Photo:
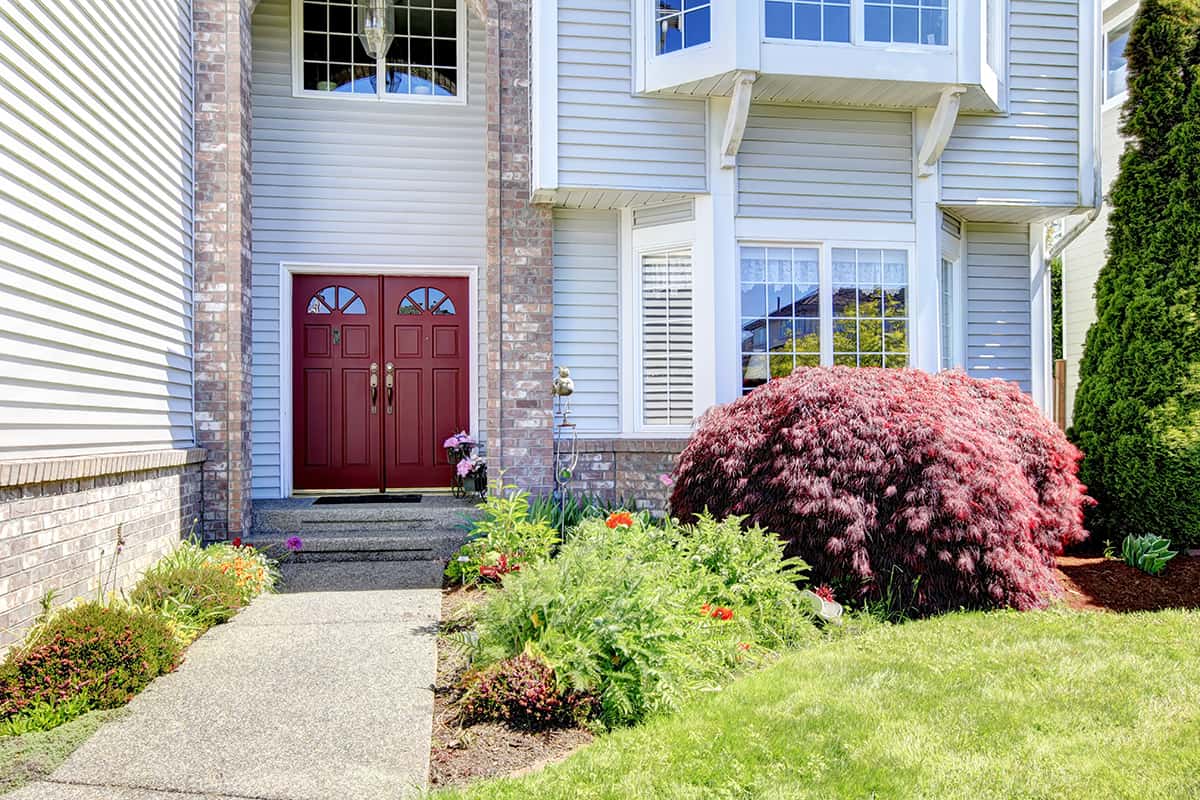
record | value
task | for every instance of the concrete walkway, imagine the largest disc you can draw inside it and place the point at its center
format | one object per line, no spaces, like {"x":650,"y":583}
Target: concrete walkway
{"x":309,"y":695}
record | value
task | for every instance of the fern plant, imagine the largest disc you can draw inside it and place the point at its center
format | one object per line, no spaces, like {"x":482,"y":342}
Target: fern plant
{"x":1149,"y":553}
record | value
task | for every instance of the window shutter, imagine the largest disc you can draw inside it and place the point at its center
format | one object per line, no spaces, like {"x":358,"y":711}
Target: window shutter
{"x":667,"y":338}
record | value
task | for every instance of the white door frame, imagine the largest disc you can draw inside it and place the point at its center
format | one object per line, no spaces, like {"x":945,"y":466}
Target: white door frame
{"x":288,"y":270}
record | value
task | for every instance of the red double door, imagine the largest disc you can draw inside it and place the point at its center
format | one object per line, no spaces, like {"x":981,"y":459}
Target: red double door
{"x":380,"y":380}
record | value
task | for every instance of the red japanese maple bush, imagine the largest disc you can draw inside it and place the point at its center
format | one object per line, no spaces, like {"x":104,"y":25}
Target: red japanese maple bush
{"x":950,"y":491}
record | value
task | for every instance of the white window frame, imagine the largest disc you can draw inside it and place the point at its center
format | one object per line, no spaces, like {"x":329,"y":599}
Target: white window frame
{"x":858,"y":32}
{"x":1119,"y":21}
{"x":639,"y":243}
{"x":654,"y":31}
{"x":951,"y":251}
{"x":459,"y":99}
{"x":825,"y":273}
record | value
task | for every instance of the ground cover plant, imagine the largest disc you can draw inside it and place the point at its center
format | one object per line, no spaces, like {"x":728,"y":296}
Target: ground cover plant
{"x":631,"y":617}
{"x":925,"y":492}
{"x":1137,"y":409}
{"x":967,"y":706}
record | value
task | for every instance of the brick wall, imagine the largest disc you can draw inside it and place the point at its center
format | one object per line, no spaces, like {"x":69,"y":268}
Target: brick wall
{"x":627,"y":469}
{"x":520,"y":281}
{"x":222,"y":261}
{"x":61,"y":519}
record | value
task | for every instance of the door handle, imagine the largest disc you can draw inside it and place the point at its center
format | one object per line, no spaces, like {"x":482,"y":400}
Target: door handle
{"x":374,"y":388}
{"x":391,"y":382}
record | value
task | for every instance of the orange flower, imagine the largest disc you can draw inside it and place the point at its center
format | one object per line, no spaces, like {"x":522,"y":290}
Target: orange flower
{"x":619,"y":519}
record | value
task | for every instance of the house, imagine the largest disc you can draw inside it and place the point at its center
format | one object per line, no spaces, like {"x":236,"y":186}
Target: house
{"x":1084,"y":253}
{"x":259,"y":248}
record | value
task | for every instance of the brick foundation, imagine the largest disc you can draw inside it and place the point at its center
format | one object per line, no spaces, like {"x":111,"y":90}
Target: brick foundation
{"x":520,"y":280}
{"x":61,"y":519}
{"x":627,"y":469}
{"x":222,"y":261}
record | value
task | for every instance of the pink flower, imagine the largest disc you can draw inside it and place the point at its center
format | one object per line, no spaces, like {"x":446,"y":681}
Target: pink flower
{"x":825,"y":592}
{"x":294,"y":543}
{"x":666,"y":480}
{"x":464,"y":467}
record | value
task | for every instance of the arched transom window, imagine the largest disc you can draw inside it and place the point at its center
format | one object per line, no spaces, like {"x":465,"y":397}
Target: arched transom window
{"x":427,"y":298}
{"x":336,"y":298}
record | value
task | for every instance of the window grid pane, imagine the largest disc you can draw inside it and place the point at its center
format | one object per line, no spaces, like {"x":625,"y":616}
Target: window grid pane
{"x":870,"y":307}
{"x":907,"y":21}
{"x":1116,"y":78}
{"x":781,"y":312}
{"x":667,"y":338}
{"x":682,"y":24}
{"x":808,"y":20}
{"x":422,"y":59}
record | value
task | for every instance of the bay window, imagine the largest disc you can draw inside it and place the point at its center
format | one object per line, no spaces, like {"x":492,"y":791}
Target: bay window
{"x":808,"y":20}
{"x":806,"y":306}
{"x":921,"y":22}
{"x":425,"y":59}
{"x":682,"y":23}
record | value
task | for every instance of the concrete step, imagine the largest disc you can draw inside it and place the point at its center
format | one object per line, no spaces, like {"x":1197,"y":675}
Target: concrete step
{"x":430,"y":530}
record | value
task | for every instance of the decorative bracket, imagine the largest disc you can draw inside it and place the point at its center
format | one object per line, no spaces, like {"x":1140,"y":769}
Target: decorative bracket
{"x":478,"y":8}
{"x":739,"y":112}
{"x":940,"y":129}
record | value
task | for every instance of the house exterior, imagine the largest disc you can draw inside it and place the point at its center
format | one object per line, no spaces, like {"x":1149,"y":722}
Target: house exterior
{"x":1085,"y":254}
{"x":289,"y":265}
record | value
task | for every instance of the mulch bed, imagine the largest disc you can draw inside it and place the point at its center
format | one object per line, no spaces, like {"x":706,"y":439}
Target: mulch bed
{"x":465,"y":754}
{"x":1103,"y":584}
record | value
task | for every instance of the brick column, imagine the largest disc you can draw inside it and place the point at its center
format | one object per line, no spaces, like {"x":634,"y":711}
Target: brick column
{"x":221,"y":292}
{"x":520,"y":285}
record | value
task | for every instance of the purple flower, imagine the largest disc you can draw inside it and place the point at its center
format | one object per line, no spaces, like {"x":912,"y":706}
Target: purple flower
{"x":666,"y":480}
{"x":452,"y":442}
{"x":465,"y":467}
{"x":294,"y":543}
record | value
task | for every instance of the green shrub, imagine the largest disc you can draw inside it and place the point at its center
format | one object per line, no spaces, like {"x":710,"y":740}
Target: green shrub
{"x":504,"y":540}
{"x":193,"y":596}
{"x":1148,"y":553}
{"x":639,"y":616}
{"x":106,"y":653}
{"x":1137,"y":409}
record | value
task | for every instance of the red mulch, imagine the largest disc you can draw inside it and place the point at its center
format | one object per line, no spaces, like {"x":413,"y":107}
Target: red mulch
{"x":463,"y":754}
{"x":1104,"y":584}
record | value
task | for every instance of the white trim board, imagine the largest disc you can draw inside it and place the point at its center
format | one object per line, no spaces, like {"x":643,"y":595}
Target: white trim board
{"x":289,"y":269}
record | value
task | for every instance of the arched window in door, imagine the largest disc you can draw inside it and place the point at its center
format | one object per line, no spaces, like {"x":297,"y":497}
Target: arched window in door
{"x":336,"y":298}
{"x":427,"y":298}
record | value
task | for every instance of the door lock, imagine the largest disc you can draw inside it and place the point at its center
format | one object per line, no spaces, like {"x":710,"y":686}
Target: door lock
{"x":337,"y":335}
{"x":391,"y":382}
{"x":375,"y":388}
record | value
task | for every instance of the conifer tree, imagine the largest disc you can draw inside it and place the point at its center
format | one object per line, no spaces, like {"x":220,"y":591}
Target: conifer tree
{"x":1137,"y":410}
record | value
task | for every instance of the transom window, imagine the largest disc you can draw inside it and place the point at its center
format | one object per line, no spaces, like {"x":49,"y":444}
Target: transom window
{"x":336,"y":298}
{"x":907,"y":21}
{"x":1115,"y":80}
{"x":788,"y":320}
{"x":682,"y":23}
{"x":809,"y":20}
{"x":423,"y":61}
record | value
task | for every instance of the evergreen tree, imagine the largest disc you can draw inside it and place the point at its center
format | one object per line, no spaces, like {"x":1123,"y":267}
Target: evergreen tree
{"x":1137,"y":411}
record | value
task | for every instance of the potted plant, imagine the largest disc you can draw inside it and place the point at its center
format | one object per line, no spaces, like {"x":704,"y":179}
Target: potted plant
{"x":470,"y":469}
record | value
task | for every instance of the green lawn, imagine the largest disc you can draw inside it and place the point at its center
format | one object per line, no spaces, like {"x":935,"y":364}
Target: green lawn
{"x":1002,"y":705}
{"x":31,"y":756}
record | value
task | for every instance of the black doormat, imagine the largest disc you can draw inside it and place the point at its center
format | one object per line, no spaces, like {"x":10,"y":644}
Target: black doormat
{"x":355,"y":499}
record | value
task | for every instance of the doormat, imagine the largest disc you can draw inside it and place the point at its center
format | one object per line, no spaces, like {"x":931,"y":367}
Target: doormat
{"x":355,"y":499}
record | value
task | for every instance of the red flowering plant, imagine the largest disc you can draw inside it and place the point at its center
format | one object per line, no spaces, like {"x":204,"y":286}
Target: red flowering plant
{"x":619,"y":519}
{"x":945,"y":490}
{"x":503,"y":565}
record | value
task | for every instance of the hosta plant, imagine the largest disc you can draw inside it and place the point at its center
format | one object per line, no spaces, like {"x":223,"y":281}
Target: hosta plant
{"x":1149,"y":553}
{"x":943,"y":490}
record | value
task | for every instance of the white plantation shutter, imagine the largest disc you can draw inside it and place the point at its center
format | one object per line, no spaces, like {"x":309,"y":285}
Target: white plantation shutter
{"x":667,"y":338}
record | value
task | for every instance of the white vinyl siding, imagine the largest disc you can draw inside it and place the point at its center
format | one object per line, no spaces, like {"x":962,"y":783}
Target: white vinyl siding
{"x":666,"y":338}
{"x":587,"y":315}
{"x":1030,"y":155}
{"x":95,"y":227}
{"x":345,"y":182}
{"x":814,"y":163}
{"x":607,"y":138}
{"x":670,"y":213}
{"x":998,"y":303}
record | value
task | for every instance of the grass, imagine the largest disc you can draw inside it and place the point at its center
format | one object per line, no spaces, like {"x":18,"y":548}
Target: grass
{"x":1003,"y":705}
{"x":30,"y":756}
